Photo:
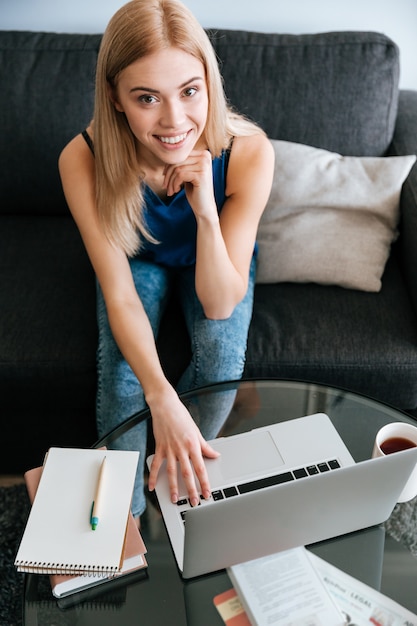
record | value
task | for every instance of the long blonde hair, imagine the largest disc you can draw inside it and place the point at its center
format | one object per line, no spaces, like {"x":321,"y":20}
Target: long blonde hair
{"x":137,"y":29}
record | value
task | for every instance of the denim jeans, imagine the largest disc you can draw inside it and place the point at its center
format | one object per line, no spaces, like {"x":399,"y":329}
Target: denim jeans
{"x":218,"y":354}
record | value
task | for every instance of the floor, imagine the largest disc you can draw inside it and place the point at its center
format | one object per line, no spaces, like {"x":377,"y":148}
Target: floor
{"x":8,"y":481}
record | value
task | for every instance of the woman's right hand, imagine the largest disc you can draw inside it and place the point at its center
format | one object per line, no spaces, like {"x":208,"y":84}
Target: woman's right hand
{"x":179,"y":441}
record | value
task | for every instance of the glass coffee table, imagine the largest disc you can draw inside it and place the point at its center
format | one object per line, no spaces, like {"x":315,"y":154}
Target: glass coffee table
{"x":382,"y":557}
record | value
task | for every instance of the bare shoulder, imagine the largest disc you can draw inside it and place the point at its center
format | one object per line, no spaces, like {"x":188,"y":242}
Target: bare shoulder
{"x":77,"y":170}
{"x":250,"y":147}
{"x":252,"y":158}
{"x":75,"y":153}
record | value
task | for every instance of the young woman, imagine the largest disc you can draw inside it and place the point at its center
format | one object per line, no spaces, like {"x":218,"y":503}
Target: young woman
{"x":167,"y":187}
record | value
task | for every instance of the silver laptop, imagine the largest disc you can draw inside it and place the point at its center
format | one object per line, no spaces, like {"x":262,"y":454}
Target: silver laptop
{"x":277,"y":487}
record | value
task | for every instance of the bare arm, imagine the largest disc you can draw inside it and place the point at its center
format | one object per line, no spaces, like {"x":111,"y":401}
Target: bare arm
{"x":176,"y":435}
{"x":225,"y":245}
{"x":110,"y":264}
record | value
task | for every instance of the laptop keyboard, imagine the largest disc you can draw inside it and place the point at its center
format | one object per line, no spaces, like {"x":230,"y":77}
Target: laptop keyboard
{"x":261,"y":483}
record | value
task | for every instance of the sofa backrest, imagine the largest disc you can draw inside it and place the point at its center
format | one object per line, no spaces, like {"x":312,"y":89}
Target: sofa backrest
{"x":46,"y":98}
{"x":337,"y":91}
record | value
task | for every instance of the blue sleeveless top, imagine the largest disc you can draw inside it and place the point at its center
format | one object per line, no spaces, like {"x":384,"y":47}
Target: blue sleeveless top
{"x":173,"y":224}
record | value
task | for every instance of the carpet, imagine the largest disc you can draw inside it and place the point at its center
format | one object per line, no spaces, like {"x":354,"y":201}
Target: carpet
{"x":402,"y":524}
{"x":14,"y":511}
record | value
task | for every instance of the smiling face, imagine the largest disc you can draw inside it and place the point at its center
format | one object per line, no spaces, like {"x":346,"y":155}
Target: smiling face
{"x":165,"y":100}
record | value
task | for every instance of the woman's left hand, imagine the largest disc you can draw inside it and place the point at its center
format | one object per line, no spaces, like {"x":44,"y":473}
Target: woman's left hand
{"x":196,"y":175}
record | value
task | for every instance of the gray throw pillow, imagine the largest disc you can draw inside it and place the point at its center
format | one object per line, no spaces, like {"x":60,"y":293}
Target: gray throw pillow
{"x":330,"y":219}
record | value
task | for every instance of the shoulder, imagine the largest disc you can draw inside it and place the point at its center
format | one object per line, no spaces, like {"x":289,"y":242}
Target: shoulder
{"x":249,"y":146}
{"x":251,"y":156}
{"x":75,"y":154}
{"x":251,"y":152}
{"x":77,"y":171}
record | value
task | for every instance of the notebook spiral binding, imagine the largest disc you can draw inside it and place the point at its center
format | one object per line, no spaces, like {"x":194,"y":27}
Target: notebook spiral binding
{"x":59,"y":568}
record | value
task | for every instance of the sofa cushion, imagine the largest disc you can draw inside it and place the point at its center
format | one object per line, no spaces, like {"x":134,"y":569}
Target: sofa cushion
{"x":364,"y":342}
{"x":330,"y":219}
{"x":48,"y":340}
{"x":337,"y":91}
{"x":47,"y":316}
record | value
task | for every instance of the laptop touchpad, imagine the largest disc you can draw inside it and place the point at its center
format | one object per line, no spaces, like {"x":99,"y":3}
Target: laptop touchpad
{"x":242,"y":456}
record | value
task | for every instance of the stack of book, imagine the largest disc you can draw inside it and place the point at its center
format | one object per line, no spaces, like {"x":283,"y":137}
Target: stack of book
{"x":80,"y":529}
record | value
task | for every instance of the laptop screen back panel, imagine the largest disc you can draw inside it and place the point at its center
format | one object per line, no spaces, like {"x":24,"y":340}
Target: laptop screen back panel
{"x":293,"y":514}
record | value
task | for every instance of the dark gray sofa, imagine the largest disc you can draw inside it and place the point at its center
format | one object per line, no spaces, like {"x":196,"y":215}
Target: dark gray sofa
{"x":337,"y":91}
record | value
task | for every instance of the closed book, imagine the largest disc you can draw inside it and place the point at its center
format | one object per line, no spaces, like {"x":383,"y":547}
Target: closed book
{"x":230,"y":608}
{"x":59,"y":537}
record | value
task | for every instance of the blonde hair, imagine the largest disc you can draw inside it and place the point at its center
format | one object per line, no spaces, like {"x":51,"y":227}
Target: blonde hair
{"x":138,"y":29}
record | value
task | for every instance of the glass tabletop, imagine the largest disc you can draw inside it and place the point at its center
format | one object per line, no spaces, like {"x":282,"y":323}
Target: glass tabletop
{"x":383,"y":557}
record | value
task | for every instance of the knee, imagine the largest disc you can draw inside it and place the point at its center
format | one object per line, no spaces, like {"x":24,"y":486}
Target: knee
{"x":221,"y":351}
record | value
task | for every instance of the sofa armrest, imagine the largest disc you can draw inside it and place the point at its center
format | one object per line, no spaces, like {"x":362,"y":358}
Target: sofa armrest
{"x":405,"y":142}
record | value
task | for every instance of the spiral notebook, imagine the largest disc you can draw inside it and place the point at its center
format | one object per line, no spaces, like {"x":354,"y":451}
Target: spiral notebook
{"x":134,"y":559}
{"x":58,"y":538}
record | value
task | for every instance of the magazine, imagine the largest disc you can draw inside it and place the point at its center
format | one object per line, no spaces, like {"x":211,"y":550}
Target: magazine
{"x":281,"y":590}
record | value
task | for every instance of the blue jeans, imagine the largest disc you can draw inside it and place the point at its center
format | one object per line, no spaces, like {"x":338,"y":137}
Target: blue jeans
{"x":218,"y":354}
